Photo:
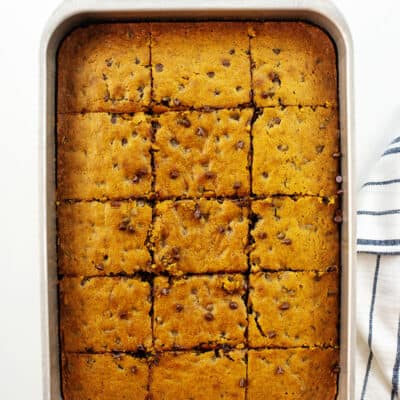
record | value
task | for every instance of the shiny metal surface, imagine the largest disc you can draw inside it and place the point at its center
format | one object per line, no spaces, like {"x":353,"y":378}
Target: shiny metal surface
{"x":72,"y":13}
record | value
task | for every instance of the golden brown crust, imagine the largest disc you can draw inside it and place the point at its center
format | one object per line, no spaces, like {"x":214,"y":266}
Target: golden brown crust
{"x":294,"y":63}
{"x":201,"y":376}
{"x":105,"y":67}
{"x":295,"y":234}
{"x":292,"y":374}
{"x":292,"y":309}
{"x":105,"y":314}
{"x":200,"y":236}
{"x":205,"y":64}
{"x":104,"y":377}
{"x":187,"y":119}
{"x":103,"y":238}
{"x":101,"y":155}
{"x":200,"y":311}
{"x":294,"y":151}
{"x":203,"y":154}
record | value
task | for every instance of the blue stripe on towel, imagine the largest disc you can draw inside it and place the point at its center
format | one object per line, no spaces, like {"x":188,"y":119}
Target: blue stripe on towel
{"x":371,"y":316}
{"x":395,"y":377}
{"x":370,"y":242}
{"x":386,"y":212}
{"x":394,"y":150}
{"x":381,"y":183}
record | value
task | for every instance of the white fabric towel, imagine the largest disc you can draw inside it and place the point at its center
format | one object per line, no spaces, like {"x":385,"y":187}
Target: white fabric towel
{"x":378,"y":280}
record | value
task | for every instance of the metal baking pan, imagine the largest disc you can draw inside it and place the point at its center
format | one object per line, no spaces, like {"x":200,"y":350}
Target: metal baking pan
{"x":73,"y":13}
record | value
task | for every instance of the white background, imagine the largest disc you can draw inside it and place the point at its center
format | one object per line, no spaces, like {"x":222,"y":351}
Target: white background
{"x":375,"y":26}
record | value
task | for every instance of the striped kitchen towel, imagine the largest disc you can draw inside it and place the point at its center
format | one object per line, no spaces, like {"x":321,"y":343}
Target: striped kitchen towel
{"x":378,"y":280}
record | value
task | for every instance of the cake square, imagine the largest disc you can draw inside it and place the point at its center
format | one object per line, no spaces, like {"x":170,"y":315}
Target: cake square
{"x":293,"y":309}
{"x":103,"y":238}
{"x":104,"y":377}
{"x":293,"y":374}
{"x":202,"y":236}
{"x":105,"y":67}
{"x":203,"y":153}
{"x":293,"y":63}
{"x":104,"y":314}
{"x":202,"y":64}
{"x":200,"y":376}
{"x":294,"y":233}
{"x":100,"y":155}
{"x":199,"y":311}
{"x":295,"y":151}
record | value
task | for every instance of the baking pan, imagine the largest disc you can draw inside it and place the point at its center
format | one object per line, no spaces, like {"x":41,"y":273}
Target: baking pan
{"x":73,"y":13}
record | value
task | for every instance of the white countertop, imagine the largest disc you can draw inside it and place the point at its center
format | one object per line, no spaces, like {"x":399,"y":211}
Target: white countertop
{"x":376,"y":30}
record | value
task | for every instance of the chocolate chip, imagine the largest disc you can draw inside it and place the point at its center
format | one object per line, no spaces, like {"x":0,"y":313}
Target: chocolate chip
{"x":177,"y":102}
{"x":115,"y":203}
{"x":159,"y":67}
{"x":124,"y":141}
{"x":211,"y":74}
{"x":113,"y":119}
{"x":184,"y":122}
{"x":332,"y":268}
{"x":233,"y":305}
{"x":265,"y":174}
{"x":240,"y":144}
{"x":238,"y":88}
{"x":179,"y":307}
{"x":274,"y":77}
{"x":282,"y":147}
{"x":339,"y":179}
{"x":336,"y":155}
{"x":123,"y":316}
{"x":140,"y":173}
{"x":317,"y":278}
{"x":100,"y":267}
{"x":217,"y":92}
{"x":197,"y":213}
{"x":271,"y":334}
{"x":284,"y":306}
{"x":166,"y":100}
{"x":210,"y":307}
{"x":232,"y":51}
{"x":336,"y":368}
{"x":155,"y":125}
{"x":131,"y":229}
{"x":286,"y":241}
{"x":200,"y":132}
{"x":279,"y":370}
{"x":242,"y":382}
{"x":133,"y":370}
{"x":280,"y":235}
{"x":174,"y":174}
{"x":137,"y":61}
{"x":274,"y":121}
{"x":226,"y":63}
{"x":235,"y":116}
{"x":267,"y":95}
{"x":109,"y":62}
{"x":319,"y":148}
{"x":164,"y":291}
{"x":237,"y":185}
{"x":338,"y":219}
{"x":221,"y":229}
{"x":209,"y":175}
{"x":262,"y":235}
{"x":174,"y":142}
{"x":276,"y":51}
{"x":208,"y":316}
{"x":175,"y":253}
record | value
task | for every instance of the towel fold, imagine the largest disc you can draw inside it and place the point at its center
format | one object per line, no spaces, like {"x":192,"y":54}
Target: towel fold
{"x":378,"y":280}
